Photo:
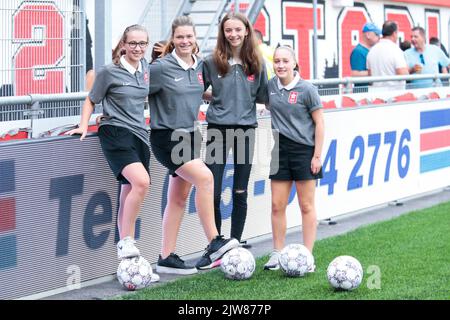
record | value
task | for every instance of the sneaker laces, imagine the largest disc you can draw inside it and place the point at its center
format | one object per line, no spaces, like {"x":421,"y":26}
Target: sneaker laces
{"x":208,"y":247}
{"x":128,"y":240}
{"x":218,"y":238}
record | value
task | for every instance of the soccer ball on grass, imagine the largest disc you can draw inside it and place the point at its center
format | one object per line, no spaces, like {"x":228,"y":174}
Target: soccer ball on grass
{"x":238,"y":264}
{"x":345,"y":273}
{"x":296,"y":260}
{"x":134,"y":273}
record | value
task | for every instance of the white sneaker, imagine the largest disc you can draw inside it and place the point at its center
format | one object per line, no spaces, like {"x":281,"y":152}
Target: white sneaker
{"x":154,"y":278}
{"x":273,"y":263}
{"x":127,"y":249}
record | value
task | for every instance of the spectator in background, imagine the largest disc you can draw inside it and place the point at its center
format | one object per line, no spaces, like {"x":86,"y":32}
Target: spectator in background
{"x":387,"y":59}
{"x":266,"y":52}
{"x":89,"y":59}
{"x":436,"y":42}
{"x":358,"y":58}
{"x":423,"y":58}
{"x":76,"y":59}
{"x":90,"y":73}
{"x":405,"y":45}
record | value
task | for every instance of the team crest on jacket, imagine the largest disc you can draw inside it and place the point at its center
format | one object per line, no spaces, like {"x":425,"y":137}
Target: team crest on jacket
{"x":293,"y":96}
{"x":200,"y":78}
{"x":251,"y":78}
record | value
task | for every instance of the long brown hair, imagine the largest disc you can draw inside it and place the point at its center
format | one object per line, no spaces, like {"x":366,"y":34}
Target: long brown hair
{"x":120,"y":50}
{"x":250,"y":55}
{"x":181,"y":21}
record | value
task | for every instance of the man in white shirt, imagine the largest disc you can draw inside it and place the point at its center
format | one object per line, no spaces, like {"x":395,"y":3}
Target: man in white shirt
{"x":387,"y":59}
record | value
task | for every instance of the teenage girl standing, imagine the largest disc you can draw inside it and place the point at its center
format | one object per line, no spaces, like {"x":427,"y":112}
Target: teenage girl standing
{"x":238,"y":79}
{"x":297,"y":116}
{"x":176,"y":90}
{"x":122,"y":87}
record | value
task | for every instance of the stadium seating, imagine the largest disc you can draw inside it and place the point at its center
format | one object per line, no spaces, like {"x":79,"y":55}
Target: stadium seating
{"x":433,"y":96}
{"x":364,"y":102}
{"x":378,"y":101}
{"x":329,"y":104}
{"x":16,"y":134}
{"x":404,"y":97}
{"x":348,"y":102}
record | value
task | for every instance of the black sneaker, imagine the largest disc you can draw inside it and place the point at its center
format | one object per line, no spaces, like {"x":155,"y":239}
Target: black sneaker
{"x":215,"y":250}
{"x":175,"y":265}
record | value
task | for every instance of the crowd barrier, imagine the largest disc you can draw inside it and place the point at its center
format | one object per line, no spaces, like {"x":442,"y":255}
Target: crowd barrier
{"x":38,"y":119}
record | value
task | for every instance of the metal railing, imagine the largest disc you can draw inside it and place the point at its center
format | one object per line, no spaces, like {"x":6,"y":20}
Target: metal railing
{"x":35,"y":106}
{"x":345,"y":85}
{"x":39,"y":106}
{"x":347,"y":82}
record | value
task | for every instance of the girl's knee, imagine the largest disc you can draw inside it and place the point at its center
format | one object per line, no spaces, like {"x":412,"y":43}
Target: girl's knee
{"x":178,"y":200}
{"x":208,"y":176}
{"x":278,"y":208}
{"x":205,"y":180}
{"x":307,"y":208}
{"x":240,"y":198}
{"x":142,"y":184}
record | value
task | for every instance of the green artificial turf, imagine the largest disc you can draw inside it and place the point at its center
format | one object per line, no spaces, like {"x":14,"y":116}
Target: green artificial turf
{"x":403,"y":258}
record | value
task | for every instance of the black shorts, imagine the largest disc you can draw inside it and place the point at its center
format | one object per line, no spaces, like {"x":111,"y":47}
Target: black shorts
{"x":121,"y":148}
{"x":292,"y":162}
{"x":173,"y":154}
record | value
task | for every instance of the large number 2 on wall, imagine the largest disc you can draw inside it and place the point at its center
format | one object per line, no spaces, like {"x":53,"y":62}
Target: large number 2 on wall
{"x":39,"y":28}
